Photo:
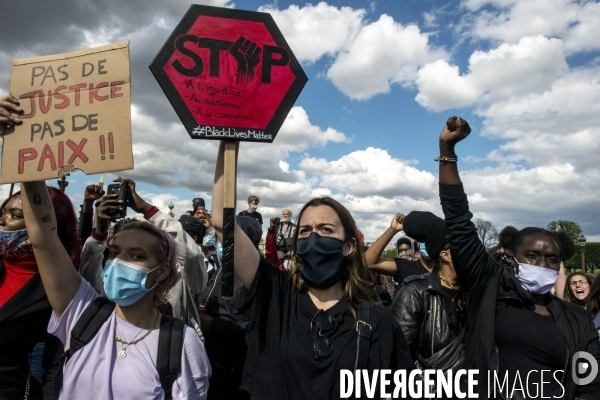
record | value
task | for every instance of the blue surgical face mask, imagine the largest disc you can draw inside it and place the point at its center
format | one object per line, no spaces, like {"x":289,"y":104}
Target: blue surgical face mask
{"x":219,"y":250}
{"x":125,"y":283}
{"x":14,"y":244}
{"x":537,"y":280}
{"x":208,"y":241}
{"x":423,"y":251}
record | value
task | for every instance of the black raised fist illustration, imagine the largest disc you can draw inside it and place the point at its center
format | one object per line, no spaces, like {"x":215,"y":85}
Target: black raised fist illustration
{"x":247,"y":55}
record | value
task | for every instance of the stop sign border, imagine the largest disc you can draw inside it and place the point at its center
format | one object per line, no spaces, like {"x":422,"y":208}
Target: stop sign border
{"x":186,"y":23}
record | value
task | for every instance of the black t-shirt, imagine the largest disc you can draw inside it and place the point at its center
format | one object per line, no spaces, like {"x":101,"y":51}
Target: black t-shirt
{"x":281,"y":361}
{"x":256,"y":215}
{"x":406,"y":268}
{"x":528,"y":341}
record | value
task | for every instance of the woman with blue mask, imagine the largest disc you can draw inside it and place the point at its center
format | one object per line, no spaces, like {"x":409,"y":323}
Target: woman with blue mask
{"x":322,"y":318}
{"x":517,"y":330}
{"x":122,"y":358}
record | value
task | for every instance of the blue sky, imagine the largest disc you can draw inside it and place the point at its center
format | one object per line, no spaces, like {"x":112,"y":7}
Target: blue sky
{"x":383,"y":78}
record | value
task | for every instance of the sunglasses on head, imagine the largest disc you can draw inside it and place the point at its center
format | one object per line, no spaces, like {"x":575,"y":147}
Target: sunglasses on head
{"x":320,"y":324}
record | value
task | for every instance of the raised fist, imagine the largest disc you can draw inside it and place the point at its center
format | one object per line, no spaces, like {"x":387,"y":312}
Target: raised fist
{"x":247,"y":55}
{"x":456,"y":129}
{"x":397,"y":222}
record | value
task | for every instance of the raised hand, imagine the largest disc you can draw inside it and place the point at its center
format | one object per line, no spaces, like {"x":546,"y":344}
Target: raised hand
{"x":204,"y":219}
{"x":92,"y":192}
{"x":136,"y":203}
{"x":247,"y":55}
{"x":456,"y":129}
{"x":108,"y":204}
{"x":397,"y":222}
{"x":9,"y":111}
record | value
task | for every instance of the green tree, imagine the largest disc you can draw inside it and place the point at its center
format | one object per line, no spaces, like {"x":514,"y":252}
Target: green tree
{"x":569,"y":227}
{"x":389,"y":253}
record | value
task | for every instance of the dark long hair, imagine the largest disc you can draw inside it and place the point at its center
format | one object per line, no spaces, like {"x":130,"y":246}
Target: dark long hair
{"x":569,"y":295}
{"x":66,"y":222}
{"x":592,"y":301}
{"x":357,"y":291}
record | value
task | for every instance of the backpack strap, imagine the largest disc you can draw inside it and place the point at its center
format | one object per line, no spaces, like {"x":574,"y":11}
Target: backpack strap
{"x":86,"y":327}
{"x":363,"y":339}
{"x":170,"y":347}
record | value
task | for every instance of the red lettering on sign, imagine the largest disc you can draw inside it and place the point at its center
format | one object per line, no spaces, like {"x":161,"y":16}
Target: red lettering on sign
{"x":77,"y":88}
{"x":47,"y":154}
{"x":115,"y":87}
{"x":27,"y":154}
{"x":98,"y":87}
{"x":77,"y":151}
{"x":31,"y":96}
{"x":61,"y":154}
{"x":45,"y":107}
{"x":30,"y":154}
{"x":65,"y":99}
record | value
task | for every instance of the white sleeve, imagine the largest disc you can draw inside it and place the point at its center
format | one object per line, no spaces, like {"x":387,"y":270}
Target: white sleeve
{"x":61,"y":327}
{"x":191,"y":259}
{"x":90,"y":268}
{"x":192,"y":382}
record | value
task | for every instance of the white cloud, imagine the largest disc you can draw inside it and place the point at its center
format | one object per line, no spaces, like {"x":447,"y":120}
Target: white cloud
{"x":371,"y":172}
{"x":285,"y":167}
{"x":315,"y":31}
{"x":297,"y":132}
{"x":510,"y":20}
{"x":583,"y":35}
{"x":383,"y":53}
{"x":441,"y":87}
{"x":530,"y":66}
{"x":162,"y":151}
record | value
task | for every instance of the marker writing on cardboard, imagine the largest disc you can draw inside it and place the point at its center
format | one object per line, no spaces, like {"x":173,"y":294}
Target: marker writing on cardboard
{"x":111,"y":146}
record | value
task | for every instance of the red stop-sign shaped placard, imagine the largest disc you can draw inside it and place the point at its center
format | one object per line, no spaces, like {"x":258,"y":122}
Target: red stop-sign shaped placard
{"x":229,"y":74}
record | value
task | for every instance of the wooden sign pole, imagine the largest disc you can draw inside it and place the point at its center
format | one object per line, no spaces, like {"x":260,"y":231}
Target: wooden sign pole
{"x":229,"y":196}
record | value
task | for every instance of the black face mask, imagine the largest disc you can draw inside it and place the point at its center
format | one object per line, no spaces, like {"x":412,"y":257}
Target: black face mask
{"x":322,"y":260}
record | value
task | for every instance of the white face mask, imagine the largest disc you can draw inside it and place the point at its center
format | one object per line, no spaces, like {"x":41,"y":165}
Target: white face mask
{"x":537,"y":280}
{"x":253,"y":207}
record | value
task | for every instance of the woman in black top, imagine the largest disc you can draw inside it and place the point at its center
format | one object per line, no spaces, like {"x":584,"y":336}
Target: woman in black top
{"x":516,"y":328}
{"x":304,"y":326}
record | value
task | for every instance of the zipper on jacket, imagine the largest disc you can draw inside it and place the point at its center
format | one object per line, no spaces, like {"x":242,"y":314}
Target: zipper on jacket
{"x":498,"y":370}
{"x":562,"y":379}
{"x":433,"y":322}
{"x":214,"y":283}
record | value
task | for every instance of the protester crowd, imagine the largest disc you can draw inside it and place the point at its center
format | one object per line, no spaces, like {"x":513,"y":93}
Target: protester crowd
{"x":132,"y":308}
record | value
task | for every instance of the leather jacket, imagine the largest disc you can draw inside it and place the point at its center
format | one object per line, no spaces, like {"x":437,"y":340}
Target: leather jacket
{"x":432,"y":321}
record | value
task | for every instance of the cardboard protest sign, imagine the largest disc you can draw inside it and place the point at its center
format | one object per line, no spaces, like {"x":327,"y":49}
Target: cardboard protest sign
{"x":229,"y":74}
{"x":77,"y":115}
